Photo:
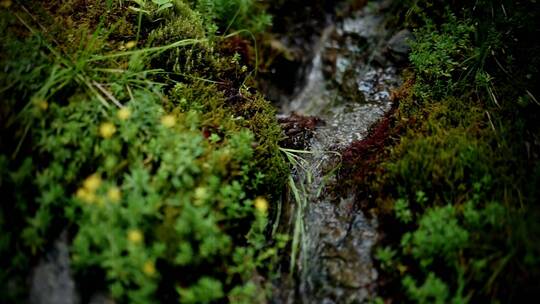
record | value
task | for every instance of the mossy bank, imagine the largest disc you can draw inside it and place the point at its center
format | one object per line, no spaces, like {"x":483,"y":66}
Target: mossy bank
{"x":130,"y":126}
{"x":453,"y":171}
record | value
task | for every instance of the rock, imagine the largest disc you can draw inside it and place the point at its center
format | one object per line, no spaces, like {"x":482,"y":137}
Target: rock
{"x":398,"y":47}
{"x":52,"y":281}
{"x":367,"y":27}
{"x":340,"y":264}
{"x":349,"y":87}
{"x":298,"y":129}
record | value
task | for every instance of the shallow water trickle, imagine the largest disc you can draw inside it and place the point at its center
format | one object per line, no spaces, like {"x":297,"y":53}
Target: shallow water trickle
{"x":348,"y":87}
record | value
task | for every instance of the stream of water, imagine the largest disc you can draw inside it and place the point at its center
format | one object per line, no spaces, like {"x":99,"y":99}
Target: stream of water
{"x":347,"y":87}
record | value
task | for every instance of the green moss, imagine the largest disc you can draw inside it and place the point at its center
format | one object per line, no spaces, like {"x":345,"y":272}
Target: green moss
{"x":456,"y":185}
{"x":251,"y":112}
{"x":259,"y":117}
{"x":443,"y":164}
{"x":183,"y":23}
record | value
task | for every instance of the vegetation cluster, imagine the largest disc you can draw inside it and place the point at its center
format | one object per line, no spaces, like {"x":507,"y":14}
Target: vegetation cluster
{"x":453,"y":171}
{"x":130,"y":126}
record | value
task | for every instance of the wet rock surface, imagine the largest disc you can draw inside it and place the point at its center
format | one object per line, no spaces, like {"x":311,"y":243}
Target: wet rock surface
{"x":348,"y":86}
{"x":399,"y":46}
{"x":339,"y":267}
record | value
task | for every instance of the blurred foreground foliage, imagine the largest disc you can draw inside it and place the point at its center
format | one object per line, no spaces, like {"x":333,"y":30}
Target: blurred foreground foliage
{"x":129,"y":125}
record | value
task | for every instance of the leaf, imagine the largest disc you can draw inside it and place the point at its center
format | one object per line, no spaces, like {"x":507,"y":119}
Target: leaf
{"x":138,"y":10}
{"x":140,"y":2}
{"x":163,"y":7}
{"x":162,"y":2}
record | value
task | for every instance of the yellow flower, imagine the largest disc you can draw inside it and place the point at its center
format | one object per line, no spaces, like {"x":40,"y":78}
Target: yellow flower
{"x":168,"y":120}
{"x":149,"y":268}
{"x":114,"y":194}
{"x":5,"y":3}
{"x":131,"y":44}
{"x":42,"y":104}
{"x":92,"y":182}
{"x":135,"y":236}
{"x":107,"y":129}
{"x":123,"y":113}
{"x":261,"y":204}
{"x":81,"y":192}
{"x":200,"y":195}
{"x":86,"y":196}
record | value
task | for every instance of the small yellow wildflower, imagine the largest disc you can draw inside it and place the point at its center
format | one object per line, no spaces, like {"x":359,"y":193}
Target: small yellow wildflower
{"x":200,"y":195}
{"x":43,"y":104}
{"x":123,"y":113}
{"x":81,"y":192}
{"x":168,"y":120}
{"x":149,"y":268}
{"x":86,"y":196}
{"x":114,"y":194}
{"x":5,"y":3}
{"x":135,"y":236}
{"x":92,"y":182}
{"x":107,"y":129}
{"x":261,"y":204}
{"x":131,"y":44}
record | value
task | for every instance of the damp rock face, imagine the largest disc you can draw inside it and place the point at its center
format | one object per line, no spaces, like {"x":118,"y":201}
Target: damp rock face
{"x":339,"y":267}
{"x":348,"y":86}
{"x":399,"y":46}
{"x":52,"y":281}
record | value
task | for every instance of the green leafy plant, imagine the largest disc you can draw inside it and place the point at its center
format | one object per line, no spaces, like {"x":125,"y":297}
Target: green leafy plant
{"x":433,"y":290}
{"x":439,"y":235}
{"x":403,"y":213}
{"x":440,"y":57}
{"x":145,"y":6}
{"x":385,"y":256}
{"x":235,"y":14}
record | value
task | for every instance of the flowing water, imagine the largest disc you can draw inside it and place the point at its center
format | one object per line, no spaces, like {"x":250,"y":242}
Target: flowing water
{"x":347,"y":87}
